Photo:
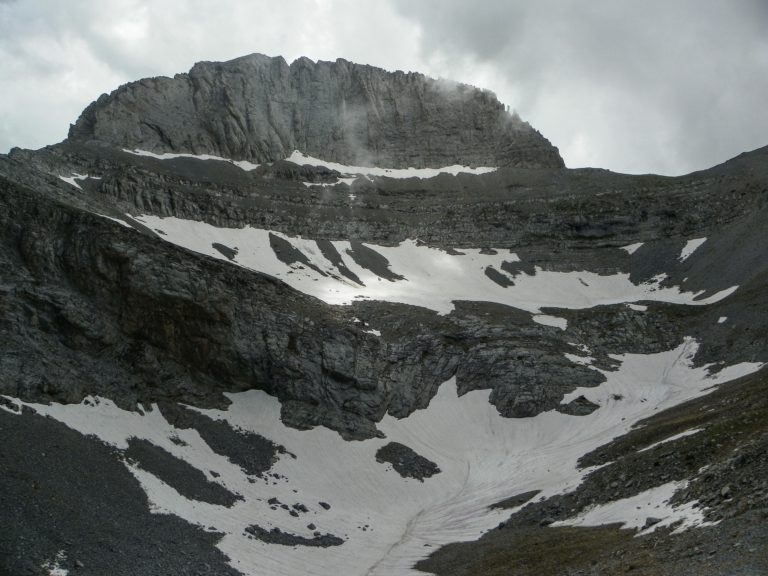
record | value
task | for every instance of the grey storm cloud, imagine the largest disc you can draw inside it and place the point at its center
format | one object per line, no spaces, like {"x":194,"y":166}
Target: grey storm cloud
{"x":669,"y":86}
{"x":655,"y":86}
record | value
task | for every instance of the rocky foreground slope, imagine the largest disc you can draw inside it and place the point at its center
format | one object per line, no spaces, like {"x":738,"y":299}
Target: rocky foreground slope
{"x":317,"y":318}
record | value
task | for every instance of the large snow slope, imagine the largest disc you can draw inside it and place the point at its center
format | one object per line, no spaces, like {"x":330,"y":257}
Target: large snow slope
{"x":389,"y":522}
{"x":416,"y":274}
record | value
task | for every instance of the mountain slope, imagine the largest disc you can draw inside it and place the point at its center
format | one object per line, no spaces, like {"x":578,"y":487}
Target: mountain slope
{"x":276,"y":353}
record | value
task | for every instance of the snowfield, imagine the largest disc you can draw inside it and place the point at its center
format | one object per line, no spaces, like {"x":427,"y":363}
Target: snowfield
{"x":428,"y":277}
{"x":388,"y":522}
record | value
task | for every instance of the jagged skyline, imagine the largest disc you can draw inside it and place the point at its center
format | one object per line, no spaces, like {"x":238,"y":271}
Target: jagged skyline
{"x":668,"y":88}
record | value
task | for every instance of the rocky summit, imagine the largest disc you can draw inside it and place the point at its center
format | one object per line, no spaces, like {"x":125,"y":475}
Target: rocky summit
{"x":261,"y":109}
{"x":320,"y":318}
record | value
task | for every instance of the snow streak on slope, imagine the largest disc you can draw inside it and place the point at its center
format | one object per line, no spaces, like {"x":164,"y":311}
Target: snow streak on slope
{"x":244,"y":164}
{"x":302,"y":159}
{"x":690,"y":247}
{"x":389,"y":522}
{"x":415,"y":274}
{"x":679,"y":436}
{"x":75,"y":177}
{"x":634,"y":512}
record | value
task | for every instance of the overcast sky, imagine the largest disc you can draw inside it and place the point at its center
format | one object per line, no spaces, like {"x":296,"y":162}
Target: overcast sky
{"x":665,"y":86}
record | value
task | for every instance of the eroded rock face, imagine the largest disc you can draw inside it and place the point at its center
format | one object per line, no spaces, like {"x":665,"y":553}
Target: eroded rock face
{"x":262,"y":109}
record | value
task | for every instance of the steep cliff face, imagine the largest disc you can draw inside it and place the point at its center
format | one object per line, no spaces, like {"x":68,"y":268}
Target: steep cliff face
{"x":262,"y":109}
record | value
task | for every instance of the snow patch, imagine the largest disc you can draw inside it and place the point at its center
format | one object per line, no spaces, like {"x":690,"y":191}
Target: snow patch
{"x":53,"y":567}
{"x":242,"y":164}
{"x":722,"y":319}
{"x":75,"y":177}
{"x":672,"y":439}
{"x":634,"y":385}
{"x":581,"y":360}
{"x":632,"y":248}
{"x":690,"y":247}
{"x":121,"y":222}
{"x":347,"y":181}
{"x":11,"y":405}
{"x":634,"y":512}
{"x":301,"y":159}
{"x":554,"y":321}
{"x":581,"y":348}
{"x":638,"y":307}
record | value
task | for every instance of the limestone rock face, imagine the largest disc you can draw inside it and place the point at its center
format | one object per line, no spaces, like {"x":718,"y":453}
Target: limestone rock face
{"x":261,"y":109}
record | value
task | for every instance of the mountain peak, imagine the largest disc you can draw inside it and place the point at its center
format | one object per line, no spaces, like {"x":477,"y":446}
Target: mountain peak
{"x":260,"y":108}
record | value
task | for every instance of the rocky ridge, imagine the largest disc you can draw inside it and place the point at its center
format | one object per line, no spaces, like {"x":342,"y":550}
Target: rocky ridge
{"x":261,"y":109}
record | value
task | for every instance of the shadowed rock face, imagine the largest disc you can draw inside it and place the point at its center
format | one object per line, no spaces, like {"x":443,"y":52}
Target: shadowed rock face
{"x":262,"y":109}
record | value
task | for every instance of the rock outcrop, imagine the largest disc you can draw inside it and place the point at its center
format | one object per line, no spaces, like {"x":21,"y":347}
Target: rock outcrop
{"x":261,"y":109}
